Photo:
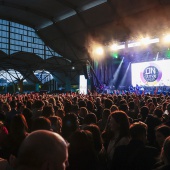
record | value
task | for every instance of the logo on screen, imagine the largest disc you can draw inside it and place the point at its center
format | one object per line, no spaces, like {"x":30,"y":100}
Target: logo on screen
{"x":150,"y":74}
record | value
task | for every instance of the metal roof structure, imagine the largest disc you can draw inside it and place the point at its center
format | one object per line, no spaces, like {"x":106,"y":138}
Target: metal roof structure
{"x":69,"y":26}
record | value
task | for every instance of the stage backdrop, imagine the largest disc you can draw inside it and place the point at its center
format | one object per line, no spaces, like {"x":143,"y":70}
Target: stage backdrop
{"x":105,"y":72}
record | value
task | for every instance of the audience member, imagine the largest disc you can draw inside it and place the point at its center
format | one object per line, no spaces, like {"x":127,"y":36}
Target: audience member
{"x":136,"y":155}
{"x":72,"y":110}
{"x":41,"y":123}
{"x":103,"y":121}
{"x":82,"y":154}
{"x":42,"y":150}
{"x":18,"y":132}
{"x":56,"y":124}
{"x":161,"y":133}
{"x":165,"y":155}
{"x":119,"y":124}
{"x":70,"y":125}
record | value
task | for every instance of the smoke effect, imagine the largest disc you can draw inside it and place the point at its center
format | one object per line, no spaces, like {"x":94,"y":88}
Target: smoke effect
{"x":91,"y":45}
{"x":150,"y":20}
{"x":131,"y":23}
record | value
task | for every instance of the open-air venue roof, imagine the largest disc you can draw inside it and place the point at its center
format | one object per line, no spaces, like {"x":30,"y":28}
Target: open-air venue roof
{"x":69,"y":26}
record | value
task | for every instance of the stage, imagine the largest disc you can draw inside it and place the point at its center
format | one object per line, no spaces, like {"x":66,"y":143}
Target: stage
{"x":136,"y":90}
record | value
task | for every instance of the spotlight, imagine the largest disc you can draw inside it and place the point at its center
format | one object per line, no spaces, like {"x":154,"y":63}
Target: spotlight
{"x":116,"y":47}
{"x":73,"y":68}
{"x":113,"y":47}
{"x":145,"y":41}
{"x":167,"y":39}
{"x":99,"y":51}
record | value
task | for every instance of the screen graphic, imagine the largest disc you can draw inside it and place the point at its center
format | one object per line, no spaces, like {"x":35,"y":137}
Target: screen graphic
{"x":154,"y":73}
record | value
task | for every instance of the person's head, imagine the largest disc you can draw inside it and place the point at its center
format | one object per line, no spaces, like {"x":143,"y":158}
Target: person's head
{"x":124,"y":107}
{"x":90,"y":106}
{"x":67,"y":106}
{"x":94,"y":129}
{"x":60,"y":113}
{"x":158,"y":113}
{"x":105,"y":114}
{"x":41,"y":123}
{"x":119,"y":123}
{"x":149,"y":100}
{"x":52,"y":101}
{"x":114,"y":108}
{"x":20,"y":107}
{"x":13,"y":104}
{"x":42,"y":150}
{"x":75,"y":100}
{"x":6,"y":107}
{"x":83,"y":112}
{"x":131,"y":105}
{"x":82,"y":155}
{"x":48,"y":111}
{"x":161,"y":133}
{"x":98,"y":100}
{"x":70,"y":125}
{"x":82,"y":103}
{"x":80,"y":141}
{"x":29,"y":104}
{"x":75,"y":108}
{"x":165,"y":154}
{"x":38,"y":104}
{"x":138,"y":131}
{"x":90,"y":119}
{"x":56,"y":123}
{"x":18,"y":125}
{"x":108,"y":103}
{"x":144,"y":111}
{"x":151,"y":107}
{"x":122,"y":102}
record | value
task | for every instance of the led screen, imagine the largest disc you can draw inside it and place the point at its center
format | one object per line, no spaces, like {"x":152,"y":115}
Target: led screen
{"x":153,"y":73}
{"x":82,"y":85}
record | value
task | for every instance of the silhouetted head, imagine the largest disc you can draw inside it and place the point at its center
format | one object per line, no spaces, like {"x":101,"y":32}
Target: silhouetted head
{"x":42,"y":150}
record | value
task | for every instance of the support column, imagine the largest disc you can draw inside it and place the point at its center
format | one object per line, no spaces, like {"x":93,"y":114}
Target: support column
{"x":14,"y":87}
{"x":89,"y":85}
{"x":68,"y":84}
{"x":20,"y":86}
{"x":37,"y":86}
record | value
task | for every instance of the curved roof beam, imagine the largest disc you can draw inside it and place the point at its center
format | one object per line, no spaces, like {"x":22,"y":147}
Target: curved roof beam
{"x":25,"y":8}
{"x":47,"y":16}
{"x":76,"y":9}
{"x":71,"y":43}
{"x":44,"y":15}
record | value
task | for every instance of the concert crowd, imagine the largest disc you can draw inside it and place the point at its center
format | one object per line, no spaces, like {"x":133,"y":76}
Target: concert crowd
{"x":72,"y":131}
